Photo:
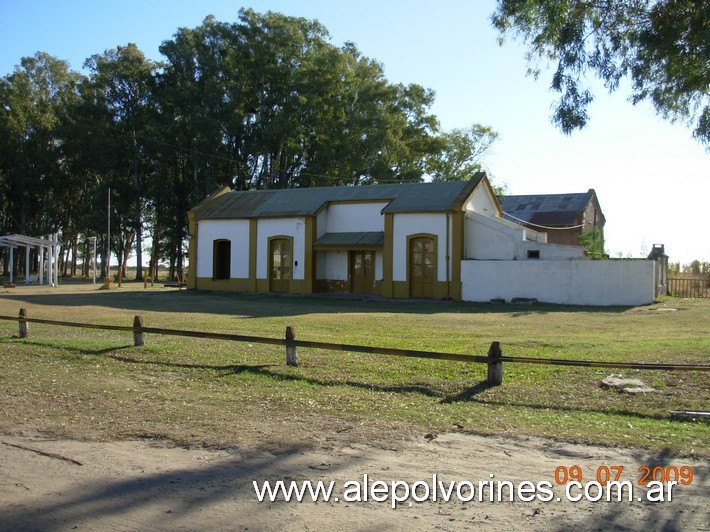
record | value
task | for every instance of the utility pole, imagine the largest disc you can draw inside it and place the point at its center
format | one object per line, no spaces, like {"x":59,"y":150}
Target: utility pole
{"x":107,"y":279}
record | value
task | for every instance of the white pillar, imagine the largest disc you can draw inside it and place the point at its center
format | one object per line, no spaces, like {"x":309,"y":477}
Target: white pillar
{"x":50,"y":250}
{"x":50,"y":260}
{"x":27,"y":263}
{"x":12,"y":262}
{"x":56,"y":257}
{"x":40,"y":271}
{"x":93,"y":238}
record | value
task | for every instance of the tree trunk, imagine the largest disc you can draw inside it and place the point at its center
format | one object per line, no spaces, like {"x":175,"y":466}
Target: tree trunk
{"x":139,"y":220}
{"x":85,"y":262}
{"x":64,"y":256}
{"x":102,"y":258}
{"x":74,"y":255}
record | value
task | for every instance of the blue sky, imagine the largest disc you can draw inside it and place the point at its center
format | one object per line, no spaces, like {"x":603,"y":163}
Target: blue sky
{"x":652,"y":178}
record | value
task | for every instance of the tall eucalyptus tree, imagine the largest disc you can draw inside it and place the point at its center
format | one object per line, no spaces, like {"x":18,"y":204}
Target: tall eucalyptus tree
{"x":124,"y":79}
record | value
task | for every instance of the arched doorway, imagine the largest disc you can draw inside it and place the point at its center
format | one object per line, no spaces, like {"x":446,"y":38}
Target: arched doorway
{"x":280,"y":264}
{"x":422,"y":266}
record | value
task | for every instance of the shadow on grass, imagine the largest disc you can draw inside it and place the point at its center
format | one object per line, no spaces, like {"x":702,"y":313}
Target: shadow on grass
{"x":469,"y":395}
{"x":262,"y":370}
{"x":78,"y":350}
{"x":277,"y":305}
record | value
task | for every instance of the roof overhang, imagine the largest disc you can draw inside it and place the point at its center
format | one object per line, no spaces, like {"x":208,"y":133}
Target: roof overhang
{"x":22,"y":240}
{"x":350,"y":241}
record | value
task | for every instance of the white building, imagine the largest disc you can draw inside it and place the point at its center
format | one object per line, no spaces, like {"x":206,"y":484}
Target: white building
{"x":428,"y":240}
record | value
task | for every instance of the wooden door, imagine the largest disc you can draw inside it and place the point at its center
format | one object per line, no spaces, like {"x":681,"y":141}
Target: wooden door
{"x":280,"y":264}
{"x":362,"y":272}
{"x":422,"y":267}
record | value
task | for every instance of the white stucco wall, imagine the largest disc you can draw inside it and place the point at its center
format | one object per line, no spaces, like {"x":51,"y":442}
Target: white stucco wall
{"x":584,"y":282}
{"x":320,"y":223}
{"x":336,"y":266}
{"x":493,"y":238}
{"x":552,"y":251}
{"x":333,"y":265}
{"x":354,"y":217}
{"x":266,"y":228}
{"x":412,"y":224}
{"x":482,"y":202}
{"x":237,"y":231}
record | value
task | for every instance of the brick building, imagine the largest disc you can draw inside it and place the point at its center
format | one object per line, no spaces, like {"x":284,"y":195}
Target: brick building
{"x":564,"y":217}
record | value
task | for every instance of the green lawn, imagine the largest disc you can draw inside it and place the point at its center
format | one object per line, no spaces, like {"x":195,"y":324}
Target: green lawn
{"x":94,"y":384}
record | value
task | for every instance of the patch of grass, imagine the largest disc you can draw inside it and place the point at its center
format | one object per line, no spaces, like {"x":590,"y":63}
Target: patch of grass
{"x":94,"y":384}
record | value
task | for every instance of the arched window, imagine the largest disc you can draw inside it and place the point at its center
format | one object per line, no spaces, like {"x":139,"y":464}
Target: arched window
{"x":221,"y":259}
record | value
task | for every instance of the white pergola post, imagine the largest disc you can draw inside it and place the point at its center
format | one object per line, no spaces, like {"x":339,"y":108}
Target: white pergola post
{"x":93,"y":240}
{"x":40,"y":271}
{"x":51,"y":244}
{"x":27,"y":263}
{"x":56,"y":258}
{"x":49,"y":262}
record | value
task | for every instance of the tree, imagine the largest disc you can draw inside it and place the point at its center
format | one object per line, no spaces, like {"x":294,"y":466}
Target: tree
{"x":34,"y":99}
{"x":125,"y":78}
{"x":593,"y":242}
{"x":264,"y":102}
{"x":461,"y":154}
{"x":661,"y":45}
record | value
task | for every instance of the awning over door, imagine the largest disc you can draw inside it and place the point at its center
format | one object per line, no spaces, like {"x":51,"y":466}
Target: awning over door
{"x":351,"y":241}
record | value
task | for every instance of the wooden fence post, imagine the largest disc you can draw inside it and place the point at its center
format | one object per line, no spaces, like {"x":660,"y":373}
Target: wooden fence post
{"x":138,"y":331}
{"x":24,"y":329}
{"x":291,"y":354}
{"x":495,"y":365}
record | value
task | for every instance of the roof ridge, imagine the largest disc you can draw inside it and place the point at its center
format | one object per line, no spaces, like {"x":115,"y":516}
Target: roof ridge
{"x":547,"y":195}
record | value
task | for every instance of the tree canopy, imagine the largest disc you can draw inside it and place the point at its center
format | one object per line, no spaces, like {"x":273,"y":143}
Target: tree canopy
{"x":264,"y":102}
{"x":661,"y":46}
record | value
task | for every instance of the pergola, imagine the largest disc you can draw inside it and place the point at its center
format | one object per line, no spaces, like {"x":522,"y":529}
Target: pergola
{"x":50,"y":245}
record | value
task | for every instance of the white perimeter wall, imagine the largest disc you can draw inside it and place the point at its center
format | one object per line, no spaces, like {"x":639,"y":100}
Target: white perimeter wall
{"x":354,"y":217}
{"x":266,"y":228}
{"x":587,"y":282}
{"x":412,"y":224}
{"x":235,"y":230}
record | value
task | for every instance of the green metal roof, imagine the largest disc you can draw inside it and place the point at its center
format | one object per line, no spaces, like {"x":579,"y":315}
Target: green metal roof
{"x":406,"y":197}
{"x":351,"y":240}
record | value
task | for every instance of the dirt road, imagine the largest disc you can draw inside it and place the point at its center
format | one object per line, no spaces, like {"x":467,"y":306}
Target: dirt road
{"x":147,"y":484}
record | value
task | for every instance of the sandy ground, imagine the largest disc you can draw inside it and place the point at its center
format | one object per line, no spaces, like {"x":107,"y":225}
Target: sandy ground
{"x":148,"y":484}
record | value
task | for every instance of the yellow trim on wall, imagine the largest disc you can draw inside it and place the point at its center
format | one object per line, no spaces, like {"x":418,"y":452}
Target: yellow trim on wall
{"x":192,"y":251}
{"x":309,"y":254}
{"x":235,"y":285}
{"x":457,"y":253}
{"x":387,"y":287}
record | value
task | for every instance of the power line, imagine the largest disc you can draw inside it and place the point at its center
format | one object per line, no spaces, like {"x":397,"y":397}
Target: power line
{"x":545,"y":226}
